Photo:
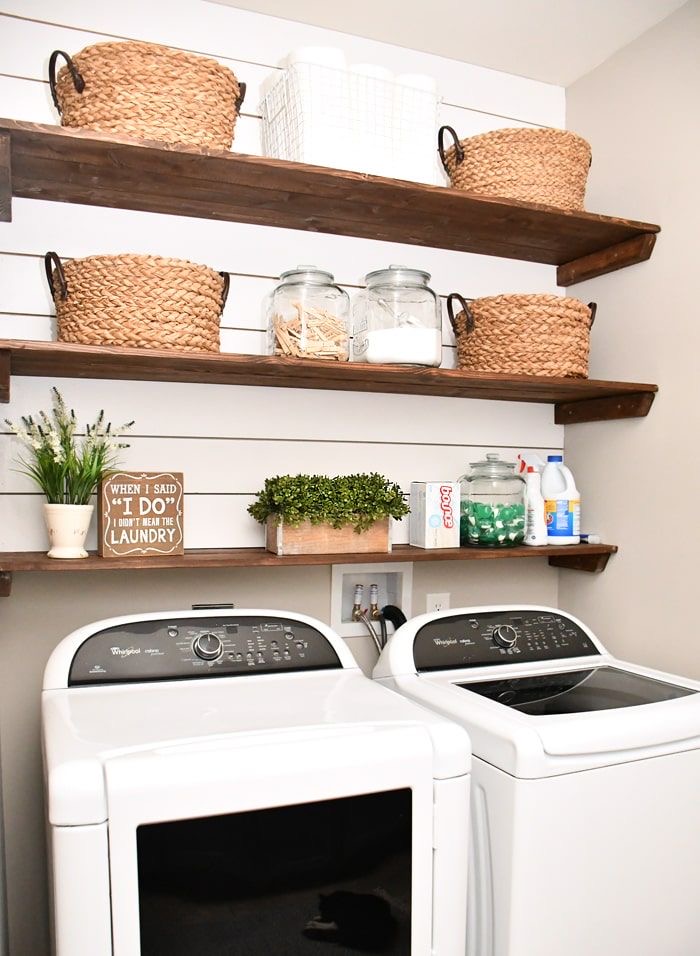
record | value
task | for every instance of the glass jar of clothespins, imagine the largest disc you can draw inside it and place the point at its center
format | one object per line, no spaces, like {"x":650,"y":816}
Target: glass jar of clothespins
{"x":307,"y":316}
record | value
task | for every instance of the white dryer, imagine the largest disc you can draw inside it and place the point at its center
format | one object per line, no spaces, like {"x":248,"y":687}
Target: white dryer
{"x":227,"y":782}
{"x":585,"y":782}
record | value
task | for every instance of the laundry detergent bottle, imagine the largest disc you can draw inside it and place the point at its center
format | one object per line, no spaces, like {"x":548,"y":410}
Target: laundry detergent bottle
{"x":535,"y":523}
{"x":562,"y":502}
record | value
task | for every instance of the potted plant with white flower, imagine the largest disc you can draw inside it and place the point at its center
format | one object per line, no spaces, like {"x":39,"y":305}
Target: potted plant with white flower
{"x":68,"y":468}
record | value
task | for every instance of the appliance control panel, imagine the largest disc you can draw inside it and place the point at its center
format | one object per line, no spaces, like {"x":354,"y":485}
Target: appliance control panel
{"x":498,"y":637}
{"x":184,"y":648}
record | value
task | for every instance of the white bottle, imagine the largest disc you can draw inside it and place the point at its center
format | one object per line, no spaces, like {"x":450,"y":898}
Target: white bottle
{"x":535,"y":525}
{"x":562,"y":503}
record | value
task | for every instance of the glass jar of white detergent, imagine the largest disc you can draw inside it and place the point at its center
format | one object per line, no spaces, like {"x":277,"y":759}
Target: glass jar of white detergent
{"x":492,"y":505}
{"x":562,"y":502}
{"x":397,"y":319}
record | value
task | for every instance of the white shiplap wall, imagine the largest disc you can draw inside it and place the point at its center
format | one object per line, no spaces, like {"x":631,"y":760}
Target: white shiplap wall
{"x":283,"y":431}
{"x":226,"y":440}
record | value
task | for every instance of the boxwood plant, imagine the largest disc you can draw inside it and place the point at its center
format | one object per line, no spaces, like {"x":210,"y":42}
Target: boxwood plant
{"x":357,"y":500}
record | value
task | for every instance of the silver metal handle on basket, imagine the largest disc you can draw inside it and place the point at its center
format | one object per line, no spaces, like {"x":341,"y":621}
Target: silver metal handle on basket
{"x":78,"y":81}
{"x":459,"y":152}
{"x":53,"y":259}
{"x":465,"y":308}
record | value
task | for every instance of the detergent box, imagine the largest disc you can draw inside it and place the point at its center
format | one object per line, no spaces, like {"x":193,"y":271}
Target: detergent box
{"x":434,"y":521}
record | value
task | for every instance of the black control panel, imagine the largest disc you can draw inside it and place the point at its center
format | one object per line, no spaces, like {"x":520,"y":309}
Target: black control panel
{"x":184,"y":648}
{"x":498,"y":637}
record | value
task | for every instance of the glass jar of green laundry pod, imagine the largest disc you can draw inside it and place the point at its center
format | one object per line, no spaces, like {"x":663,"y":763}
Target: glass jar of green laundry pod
{"x":492,"y":505}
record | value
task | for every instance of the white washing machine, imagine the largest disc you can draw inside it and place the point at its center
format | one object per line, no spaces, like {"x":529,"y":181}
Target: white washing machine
{"x":230,"y":782}
{"x":585,"y":782}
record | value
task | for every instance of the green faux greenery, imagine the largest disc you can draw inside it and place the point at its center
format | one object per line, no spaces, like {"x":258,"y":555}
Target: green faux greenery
{"x":357,"y":500}
{"x":67,"y":468}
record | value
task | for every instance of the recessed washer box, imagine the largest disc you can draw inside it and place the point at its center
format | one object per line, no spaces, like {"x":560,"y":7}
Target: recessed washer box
{"x":395,"y":584}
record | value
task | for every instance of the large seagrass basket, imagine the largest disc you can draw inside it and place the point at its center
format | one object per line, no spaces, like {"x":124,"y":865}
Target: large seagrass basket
{"x":548,"y":166}
{"x":134,"y":301}
{"x":147,"y":91}
{"x":545,"y":335}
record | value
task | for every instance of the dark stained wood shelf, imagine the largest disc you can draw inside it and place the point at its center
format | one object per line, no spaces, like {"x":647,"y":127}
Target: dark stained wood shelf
{"x":579,"y":557}
{"x":575,"y":400}
{"x":48,"y":162}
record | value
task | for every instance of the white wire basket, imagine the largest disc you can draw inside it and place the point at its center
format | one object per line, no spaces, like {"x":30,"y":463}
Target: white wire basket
{"x":350,"y":120}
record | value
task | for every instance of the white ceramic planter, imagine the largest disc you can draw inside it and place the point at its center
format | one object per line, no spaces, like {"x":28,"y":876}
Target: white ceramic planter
{"x":67,"y":526}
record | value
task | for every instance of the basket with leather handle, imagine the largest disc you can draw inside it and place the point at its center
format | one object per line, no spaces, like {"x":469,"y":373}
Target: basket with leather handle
{"x":548,"y":166}
{"x":544,"y":335}
{"x":134,"y":301}
{"x":147,"y":91}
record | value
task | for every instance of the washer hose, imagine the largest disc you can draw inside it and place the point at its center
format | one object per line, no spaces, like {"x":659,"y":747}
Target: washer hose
{"x":394,"y":615}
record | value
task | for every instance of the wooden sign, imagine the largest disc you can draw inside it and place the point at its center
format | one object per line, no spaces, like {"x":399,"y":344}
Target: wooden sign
{"x":140,"y":513}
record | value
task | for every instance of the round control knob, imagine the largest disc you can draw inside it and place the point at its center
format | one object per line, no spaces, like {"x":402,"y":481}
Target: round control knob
{"x":505,"y":635}
{"x":207,"y":646}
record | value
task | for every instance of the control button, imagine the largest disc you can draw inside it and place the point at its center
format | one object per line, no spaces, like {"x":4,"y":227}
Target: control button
{"x":288,"y":636}
{"x":249,"y":657}
{"x":207,"y":646}
{"x":261,"y":659}
{"x":173,"y":632}
{"x":300,"y":645}
{"x":504,"y":635}
{"x":287,"y":656}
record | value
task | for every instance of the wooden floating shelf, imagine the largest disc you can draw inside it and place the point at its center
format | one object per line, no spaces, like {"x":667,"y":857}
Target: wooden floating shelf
{"x":48,"y":162}
{"x":575,"y":400}
{"x":579,"y":557}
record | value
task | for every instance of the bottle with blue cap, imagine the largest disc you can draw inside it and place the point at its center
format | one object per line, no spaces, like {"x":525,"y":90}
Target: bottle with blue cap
{"x":562,"y":502}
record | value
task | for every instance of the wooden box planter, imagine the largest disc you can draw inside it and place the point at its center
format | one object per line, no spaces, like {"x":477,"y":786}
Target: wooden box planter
{"x":308,"y":538}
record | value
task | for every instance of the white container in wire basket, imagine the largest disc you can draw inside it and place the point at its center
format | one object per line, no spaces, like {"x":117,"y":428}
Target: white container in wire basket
{"x":361,"y":118}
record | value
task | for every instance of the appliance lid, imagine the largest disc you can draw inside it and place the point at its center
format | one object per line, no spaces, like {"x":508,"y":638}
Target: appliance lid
{"x":87,"y":728}
{"x":577,"y":692}
{"x":536,"y":746}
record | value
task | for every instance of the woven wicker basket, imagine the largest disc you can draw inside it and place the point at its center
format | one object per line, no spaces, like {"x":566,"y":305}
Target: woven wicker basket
{"x":548,"y":166}
{"x":137,"y":302}
{"x":523,"y":334}
{"x":148,"y":92}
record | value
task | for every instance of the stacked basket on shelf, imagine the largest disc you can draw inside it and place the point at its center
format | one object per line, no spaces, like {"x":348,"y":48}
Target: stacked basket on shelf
{"x":148,"y":92}
{"x":535,"y":334}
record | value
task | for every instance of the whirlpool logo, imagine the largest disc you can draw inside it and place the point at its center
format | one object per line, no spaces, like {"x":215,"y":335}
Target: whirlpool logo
{"x":444,"y":643}
{"x":124,"y":651}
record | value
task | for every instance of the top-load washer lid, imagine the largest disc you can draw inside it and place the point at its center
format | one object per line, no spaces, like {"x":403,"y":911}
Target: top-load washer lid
{"x":126,"y":691}
{"x":577,"y":692}
{"x":537,"y":691}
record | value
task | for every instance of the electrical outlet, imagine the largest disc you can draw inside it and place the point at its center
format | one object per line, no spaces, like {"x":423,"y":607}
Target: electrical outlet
{"x":437,"y":602}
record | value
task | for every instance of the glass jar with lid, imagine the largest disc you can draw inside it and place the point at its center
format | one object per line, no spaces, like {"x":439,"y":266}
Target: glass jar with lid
{"x":397,"y":319}
{"x":492,"y":505}
{"x":307,"y":316}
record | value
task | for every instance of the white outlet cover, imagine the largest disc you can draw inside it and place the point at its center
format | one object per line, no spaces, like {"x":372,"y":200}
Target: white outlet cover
{"x":437,"y":602}
{"x":395,"y":581}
